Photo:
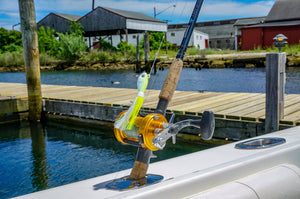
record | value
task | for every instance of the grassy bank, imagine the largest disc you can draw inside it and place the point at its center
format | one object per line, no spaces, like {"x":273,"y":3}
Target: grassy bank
{"x":107,"y":59}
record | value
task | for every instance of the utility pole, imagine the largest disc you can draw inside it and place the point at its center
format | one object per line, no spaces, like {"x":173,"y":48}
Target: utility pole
{"x":31,"y":58}
{"x":93,"y":5}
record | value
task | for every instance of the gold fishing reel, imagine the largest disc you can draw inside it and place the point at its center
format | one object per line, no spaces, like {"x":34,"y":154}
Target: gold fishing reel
{"x":144,"y":128}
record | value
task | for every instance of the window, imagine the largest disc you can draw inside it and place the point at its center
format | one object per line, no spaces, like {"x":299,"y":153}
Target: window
{"x":173,"y":34}
{"x":134,"y":37}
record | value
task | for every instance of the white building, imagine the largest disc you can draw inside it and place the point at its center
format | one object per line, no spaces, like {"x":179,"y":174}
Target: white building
{"x":198,"y":39}
{"x":114,"y":40}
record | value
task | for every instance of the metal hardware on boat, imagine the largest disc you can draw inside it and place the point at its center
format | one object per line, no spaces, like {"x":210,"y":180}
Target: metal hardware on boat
{"x":260,"y":143}
{"x":126,"y":183}
{"x":143,"y":131}
{"x":206,"y":124}
{"x":152,"y":131}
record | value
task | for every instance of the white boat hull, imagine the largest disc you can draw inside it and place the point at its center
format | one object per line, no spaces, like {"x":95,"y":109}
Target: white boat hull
{"x":220,"y":172}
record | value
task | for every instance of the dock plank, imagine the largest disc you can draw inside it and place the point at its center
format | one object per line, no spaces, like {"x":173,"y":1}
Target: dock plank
{"x":226,"y":105}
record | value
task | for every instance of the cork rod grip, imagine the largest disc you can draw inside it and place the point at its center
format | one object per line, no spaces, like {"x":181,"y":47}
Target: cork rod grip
{"x":172,"y":78}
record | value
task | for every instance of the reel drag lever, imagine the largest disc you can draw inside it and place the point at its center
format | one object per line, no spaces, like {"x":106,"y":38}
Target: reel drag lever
{"x":206,"y":124}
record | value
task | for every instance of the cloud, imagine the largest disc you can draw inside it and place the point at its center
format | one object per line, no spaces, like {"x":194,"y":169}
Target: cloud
{"x":211,"y":10}
{"x":233,"y":8}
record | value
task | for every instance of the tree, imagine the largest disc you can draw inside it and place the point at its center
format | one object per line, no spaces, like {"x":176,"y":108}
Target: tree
{"x":10,"y":40}
{"x":47,"y":41}
{"x":155,"y":40}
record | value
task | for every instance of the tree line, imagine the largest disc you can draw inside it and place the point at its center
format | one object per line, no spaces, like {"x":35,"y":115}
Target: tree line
{"x":71,"y":45}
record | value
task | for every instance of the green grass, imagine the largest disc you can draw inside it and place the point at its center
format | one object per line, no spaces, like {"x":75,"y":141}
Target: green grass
{"x":11,"y":59}
{"x":16,"y":58}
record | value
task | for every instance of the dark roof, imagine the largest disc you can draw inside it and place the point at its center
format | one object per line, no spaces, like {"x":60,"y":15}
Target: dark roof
{"x":249,"y":21}
{"x":68,"y":16}
{"x":283,"y":10}
{"x":277,"y":24}
{"x":132,"y":15}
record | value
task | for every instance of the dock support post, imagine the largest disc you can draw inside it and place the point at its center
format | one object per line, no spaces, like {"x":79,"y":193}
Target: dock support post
{"x":138,"y":64}
{"x":146,"y":47}
{"x":31,"y":58}
{"x":275,"y":89}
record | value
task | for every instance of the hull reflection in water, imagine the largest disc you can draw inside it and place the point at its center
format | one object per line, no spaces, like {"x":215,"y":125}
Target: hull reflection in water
{"x":37,"y":157}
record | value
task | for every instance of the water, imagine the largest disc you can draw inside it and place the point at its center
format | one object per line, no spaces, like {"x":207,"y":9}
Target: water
{"x":35,"y":158}
{"x":215,"y":80}
{"x":38,"y":158}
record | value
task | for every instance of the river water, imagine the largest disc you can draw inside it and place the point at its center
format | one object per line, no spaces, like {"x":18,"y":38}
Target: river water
{"x":214,"y":80}
{"x":35,"y":158}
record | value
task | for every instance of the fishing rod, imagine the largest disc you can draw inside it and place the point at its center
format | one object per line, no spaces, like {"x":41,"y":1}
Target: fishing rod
{"x":172,"y":78}
{"x":143,"y":156}
{"x":151,"y":132}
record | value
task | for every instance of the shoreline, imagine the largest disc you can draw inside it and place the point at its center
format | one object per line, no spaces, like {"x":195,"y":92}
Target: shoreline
{"x":235,"y":60}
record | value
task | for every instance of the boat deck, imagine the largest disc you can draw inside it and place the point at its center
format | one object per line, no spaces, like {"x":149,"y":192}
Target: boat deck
{"x":237,"y":106}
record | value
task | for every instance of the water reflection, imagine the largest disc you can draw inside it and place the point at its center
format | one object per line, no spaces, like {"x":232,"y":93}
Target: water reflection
{"x":36,"y":157}
{"x":40,"y":170}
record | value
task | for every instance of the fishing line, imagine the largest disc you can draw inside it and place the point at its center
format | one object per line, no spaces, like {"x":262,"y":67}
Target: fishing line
{"x":154,"y":62}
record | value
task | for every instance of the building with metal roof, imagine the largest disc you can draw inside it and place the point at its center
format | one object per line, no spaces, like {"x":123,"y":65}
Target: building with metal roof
{"x":284,"y":10}
{"x":106,"y":22}
{"x":111,"y":22}
{"x":221,"y":32}
{"x":198,"y":39}
{"x":244,"y":22}
{"x":57,"y":21}
{"x":283,"y":18}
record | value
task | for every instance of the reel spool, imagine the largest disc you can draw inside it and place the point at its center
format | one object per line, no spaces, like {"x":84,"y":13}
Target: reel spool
{"x":143,"y":132}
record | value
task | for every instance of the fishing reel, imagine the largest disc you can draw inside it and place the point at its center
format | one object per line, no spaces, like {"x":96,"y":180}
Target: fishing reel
{"x":152,"y":131}
{"x":143,"y":131}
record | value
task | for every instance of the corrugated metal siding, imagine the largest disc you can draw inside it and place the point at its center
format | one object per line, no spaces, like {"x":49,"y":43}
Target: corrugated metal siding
{"x":263,"y":36}
{"x":145,"y":25}
{"x":291,"y":32}
{"x":101,"y":19}
{"x":55,"y":22}
{"x":251,"y":38}
{"x":284,"y":10}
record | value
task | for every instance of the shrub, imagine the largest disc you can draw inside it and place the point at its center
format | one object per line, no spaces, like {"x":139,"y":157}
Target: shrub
{"x":104,"y":45}
{"x":70,"y":46}
{"x":11,"y":59}
{"x":96,"y":55}
{"x":47,"y":41}
{"x":128,"y":50}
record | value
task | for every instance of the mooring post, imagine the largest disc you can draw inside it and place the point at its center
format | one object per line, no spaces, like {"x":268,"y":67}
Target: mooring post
{"x":146,"y":46}
{"x":31,"y":57}
{"x":138,"y":66}
{"x":275,"y":89}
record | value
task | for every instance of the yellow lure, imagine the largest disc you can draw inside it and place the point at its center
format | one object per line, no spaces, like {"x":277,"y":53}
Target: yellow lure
{"x":127,"y":121}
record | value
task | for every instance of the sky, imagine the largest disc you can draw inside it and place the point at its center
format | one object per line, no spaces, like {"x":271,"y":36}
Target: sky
{"x":211,"y":9}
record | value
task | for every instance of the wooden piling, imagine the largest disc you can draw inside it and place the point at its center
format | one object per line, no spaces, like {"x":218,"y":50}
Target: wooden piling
{"x":138,"y":64}
{"x":166,"y":42}
{"x":146,"y":47}
{"x":275,"y":89}
{"x":31,"y":57}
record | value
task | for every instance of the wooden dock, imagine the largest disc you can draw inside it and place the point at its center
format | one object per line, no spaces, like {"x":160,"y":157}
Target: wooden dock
{"x":236,"y":106}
